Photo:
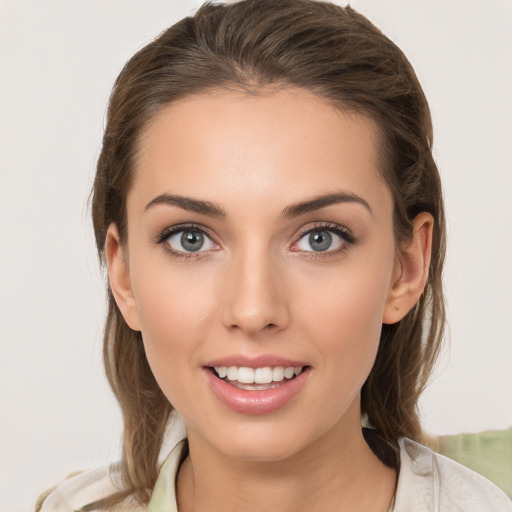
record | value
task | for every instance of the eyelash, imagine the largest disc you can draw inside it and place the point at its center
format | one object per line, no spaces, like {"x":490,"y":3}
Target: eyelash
{"x":162,"y":238}
{"x":343,"y":233}
{"x":347,"y":237}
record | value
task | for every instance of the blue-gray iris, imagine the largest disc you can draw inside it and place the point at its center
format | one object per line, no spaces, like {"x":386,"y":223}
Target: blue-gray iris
{"x":192,"y":240}
{"x":320,"y":240}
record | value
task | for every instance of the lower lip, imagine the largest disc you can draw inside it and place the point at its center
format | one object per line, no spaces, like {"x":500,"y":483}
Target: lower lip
{"x":257,"y":401}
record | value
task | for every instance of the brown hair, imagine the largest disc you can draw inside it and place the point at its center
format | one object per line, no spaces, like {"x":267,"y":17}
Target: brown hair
{"x":339,"y":55}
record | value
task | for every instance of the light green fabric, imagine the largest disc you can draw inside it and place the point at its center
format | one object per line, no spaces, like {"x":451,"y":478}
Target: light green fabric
{"x":163,"y":498}
{"x":488,"y":453}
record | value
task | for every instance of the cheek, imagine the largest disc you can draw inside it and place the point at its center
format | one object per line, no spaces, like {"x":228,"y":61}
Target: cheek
{"x":170,"y":298}
{"x":175,"y":309}
{"x":344,"y":311}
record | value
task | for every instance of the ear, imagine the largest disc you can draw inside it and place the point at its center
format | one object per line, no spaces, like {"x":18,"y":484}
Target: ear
{"x":119,"y":277}
{"x":411,"y":273}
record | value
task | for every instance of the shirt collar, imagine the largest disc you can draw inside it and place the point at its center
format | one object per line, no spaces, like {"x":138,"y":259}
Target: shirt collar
{"x":163,"y":497}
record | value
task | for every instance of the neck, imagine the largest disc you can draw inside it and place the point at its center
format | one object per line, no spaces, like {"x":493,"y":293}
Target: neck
{"x":337,"y":472}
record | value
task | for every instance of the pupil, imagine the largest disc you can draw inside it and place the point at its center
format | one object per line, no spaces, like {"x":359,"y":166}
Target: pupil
{"x":192,"y":240}
{"x":320,"y":240}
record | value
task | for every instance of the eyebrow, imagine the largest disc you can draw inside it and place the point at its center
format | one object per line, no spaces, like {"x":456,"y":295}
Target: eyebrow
{"x":294,"y":210}
{"x":187,"y":203}
{"x":319,"y":202}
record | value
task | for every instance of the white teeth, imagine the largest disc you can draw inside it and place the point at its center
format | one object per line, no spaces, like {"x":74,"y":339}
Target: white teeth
{"x":246,"y":375}
{"x":264,"y":375}
{"x":289,"y":372}
{"x":232,"y":373}
{"x":278,"y":374}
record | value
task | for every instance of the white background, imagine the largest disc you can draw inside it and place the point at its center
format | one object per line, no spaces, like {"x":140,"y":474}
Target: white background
{"x":58,"y":60}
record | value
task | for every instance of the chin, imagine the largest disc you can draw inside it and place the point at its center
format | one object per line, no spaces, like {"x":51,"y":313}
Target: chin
{"x":266,"y":441}
{"x":265,"y":450}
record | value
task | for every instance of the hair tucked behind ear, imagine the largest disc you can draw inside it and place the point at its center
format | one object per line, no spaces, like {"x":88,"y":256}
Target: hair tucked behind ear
{"x":339,"y":55}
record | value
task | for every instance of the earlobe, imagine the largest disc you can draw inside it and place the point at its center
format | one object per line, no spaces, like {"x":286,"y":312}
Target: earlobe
{"x":412,"y":270}
{"x":119,"y":278}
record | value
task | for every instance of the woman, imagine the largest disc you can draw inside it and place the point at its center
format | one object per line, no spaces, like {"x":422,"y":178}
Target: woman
{"x":272,"y":221}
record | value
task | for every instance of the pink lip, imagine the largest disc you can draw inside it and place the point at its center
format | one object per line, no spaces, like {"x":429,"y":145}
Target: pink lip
{"x":256,"y":402}
{"x":254,"y":362}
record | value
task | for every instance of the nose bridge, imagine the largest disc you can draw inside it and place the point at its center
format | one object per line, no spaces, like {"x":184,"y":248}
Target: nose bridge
{"x":254,"y":297}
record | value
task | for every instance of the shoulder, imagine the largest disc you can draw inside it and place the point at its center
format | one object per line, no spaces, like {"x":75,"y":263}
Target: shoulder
{"x":431,"y":482}
{"x":79,"y":489}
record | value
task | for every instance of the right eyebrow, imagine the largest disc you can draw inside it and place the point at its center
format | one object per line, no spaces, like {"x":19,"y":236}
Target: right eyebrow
{"x":187,"y":203}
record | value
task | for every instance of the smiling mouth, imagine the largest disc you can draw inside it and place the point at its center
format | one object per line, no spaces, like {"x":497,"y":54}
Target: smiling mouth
{"x":257,"y":379}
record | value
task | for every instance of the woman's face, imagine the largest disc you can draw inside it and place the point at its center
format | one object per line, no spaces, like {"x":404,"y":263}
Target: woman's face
{"x":260,"y":238}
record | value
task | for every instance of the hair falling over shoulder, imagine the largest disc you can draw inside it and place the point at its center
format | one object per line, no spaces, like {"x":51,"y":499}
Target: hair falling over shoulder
{"x":339,"y":55}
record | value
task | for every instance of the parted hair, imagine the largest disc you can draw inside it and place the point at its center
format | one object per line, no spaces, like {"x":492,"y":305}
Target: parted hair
{"x":339,"y":55}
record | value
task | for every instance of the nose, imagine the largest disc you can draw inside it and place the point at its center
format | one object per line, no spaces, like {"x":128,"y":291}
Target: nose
{"x":254,"y":295}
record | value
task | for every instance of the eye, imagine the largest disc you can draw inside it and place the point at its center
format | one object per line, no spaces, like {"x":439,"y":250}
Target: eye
{"x":190,"y":240}
{"x":319,"y":241}
{"x":324,"y":239}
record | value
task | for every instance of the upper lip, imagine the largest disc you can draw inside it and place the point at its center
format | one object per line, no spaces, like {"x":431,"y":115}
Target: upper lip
{"x":255,"y":361}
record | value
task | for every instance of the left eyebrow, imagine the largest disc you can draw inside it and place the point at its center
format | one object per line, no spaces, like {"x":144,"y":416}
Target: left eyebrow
{"x":319,"y":202}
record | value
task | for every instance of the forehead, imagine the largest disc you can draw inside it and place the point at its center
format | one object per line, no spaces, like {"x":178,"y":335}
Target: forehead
{"x":288,"y":143}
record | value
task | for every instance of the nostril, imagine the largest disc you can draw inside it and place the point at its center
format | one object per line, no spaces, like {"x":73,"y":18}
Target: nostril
{"x":268,"y":327}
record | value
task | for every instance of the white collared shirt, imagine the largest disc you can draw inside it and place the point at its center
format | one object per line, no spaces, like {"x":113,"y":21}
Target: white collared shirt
{"x":428,"y":482}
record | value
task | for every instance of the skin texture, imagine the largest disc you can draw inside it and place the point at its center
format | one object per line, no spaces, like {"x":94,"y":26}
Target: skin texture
{"x":257,"y":287}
